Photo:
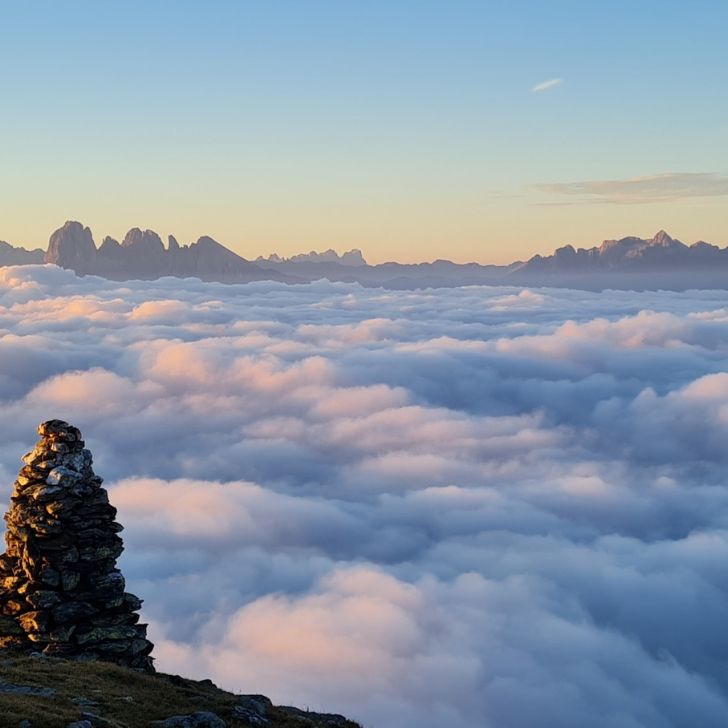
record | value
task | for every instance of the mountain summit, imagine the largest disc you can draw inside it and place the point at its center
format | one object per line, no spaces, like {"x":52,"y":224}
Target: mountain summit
{"x":142,"y":254}
{"x":661,"y":261}
{"x":631,"y":254}
{"x":353,"y":257}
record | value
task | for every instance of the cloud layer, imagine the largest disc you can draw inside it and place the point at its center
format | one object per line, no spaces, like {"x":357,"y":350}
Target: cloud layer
{"x":476,"y":506}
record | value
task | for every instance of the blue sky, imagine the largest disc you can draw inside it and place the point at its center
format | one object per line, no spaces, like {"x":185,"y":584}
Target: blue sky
{"x":409,"y":129}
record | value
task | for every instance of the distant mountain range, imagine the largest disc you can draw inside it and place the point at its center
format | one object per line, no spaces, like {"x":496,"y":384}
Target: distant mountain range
{"x":351,"y":257}
{"x":632,"y":263}
{"x":19,"y":256}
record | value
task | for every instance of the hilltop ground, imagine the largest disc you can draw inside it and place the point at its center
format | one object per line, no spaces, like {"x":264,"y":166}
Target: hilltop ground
{"x":52,"y":693}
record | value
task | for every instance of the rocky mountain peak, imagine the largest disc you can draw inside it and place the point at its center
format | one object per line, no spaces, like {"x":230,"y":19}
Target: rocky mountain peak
{"x":10,"y":255}
{"x":209,"y":243}
{"x":662,"y":239}
{"x":71,"y":246}
{"x":352,"y":257}
{"x":146,"y":241}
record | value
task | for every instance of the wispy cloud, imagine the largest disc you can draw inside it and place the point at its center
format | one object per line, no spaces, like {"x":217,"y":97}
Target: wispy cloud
{"x":668,"y":187}
{"x":547,"y":85}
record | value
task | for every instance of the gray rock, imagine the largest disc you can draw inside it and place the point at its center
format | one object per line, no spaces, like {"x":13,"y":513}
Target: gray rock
{"x":10,"y":689}
{"x":62,"y":476}
{"x":72,"y":246}
{"x":240,"y":712}
{"x":18,"y":256}
{"x":332,"y":720}
{"x":201,"y":719}
{"x":98,"y":721}
{"x":253,"y":709}
{"x":143,"y":255}
{"x":84,"y":702}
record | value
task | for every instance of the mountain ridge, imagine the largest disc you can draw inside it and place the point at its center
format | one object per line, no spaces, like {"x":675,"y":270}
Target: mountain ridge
{"x":142,"y":255}
{"x":629,"y":253}
{"x":629,"y":262}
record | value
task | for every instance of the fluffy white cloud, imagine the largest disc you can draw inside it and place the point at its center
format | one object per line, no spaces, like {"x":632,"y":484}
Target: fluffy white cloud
{"x":476,"y":506}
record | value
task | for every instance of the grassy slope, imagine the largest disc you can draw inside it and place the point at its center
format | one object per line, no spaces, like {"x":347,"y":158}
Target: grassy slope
{"x":125,"y":697}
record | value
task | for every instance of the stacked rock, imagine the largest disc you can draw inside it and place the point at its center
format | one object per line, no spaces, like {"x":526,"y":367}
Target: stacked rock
{"x":60,"y":590}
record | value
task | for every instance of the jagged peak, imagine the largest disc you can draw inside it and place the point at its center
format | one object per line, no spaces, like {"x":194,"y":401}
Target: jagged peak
{"x":207,"y":241}
{"x":71,"y":246}
{"x":147,"y":239}
{"x":661,"y":237}
{"x":626,"y":242}
{"x":73,"y":226}
{"x":353,"y":257}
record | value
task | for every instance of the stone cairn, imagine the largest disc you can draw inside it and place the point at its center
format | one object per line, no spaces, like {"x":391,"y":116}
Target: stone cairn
{"x":60,"y":590}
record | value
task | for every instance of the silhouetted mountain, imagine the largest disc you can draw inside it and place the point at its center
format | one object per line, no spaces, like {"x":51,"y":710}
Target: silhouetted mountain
{"x":352,"y":257}
{"x":18,"y":256}
{"x":439,"y":273}
{"x":627,"y":263}
{"x":142,"y":255}
{"x":629,"y":254}
{"x":72,"y":246}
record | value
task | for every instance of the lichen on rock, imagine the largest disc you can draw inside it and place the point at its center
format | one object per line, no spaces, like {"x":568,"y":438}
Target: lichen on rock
{"x":60,"y":590}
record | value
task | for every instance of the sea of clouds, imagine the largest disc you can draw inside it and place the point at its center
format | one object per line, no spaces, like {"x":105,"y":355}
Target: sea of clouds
{"x":473,"y":508}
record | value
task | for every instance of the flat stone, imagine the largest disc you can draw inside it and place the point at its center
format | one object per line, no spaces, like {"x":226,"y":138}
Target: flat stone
{"x":63,"y":633}
{"x":8,"y":583}
{"x":36,"y":621}
{"x":62,"y":476}
{"x":43,"y":599}
{"x":98,"y":721}
{"x":9,"y":626}
{"x":44,"y":492}
{"x":117,"y":646}
{"x":84,"y":702}
{"x":91,"y":553}
{"x":61,"y":507}
{"x":133,"y":602}
{"x":201,"y":719}
{"x":69,"y":580}
{"x":72,"y":611}
{"x":253,"y":709}
{"x":50,"y":576}
{"x":141,"y":647}
{"x":46,"y":528}
{"x":114,"y":581}
{"x":334,"y":720}
{"x":14,"y":606}
{"x":104,"y":634}
{"x":10,"y":689}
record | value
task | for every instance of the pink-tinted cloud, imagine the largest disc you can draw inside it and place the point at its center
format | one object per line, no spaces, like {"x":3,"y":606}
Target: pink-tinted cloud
{"x":477,"y":506}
